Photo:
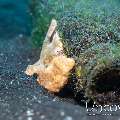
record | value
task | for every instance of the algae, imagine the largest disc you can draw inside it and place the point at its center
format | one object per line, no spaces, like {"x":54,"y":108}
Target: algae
{"x":90,"y":32}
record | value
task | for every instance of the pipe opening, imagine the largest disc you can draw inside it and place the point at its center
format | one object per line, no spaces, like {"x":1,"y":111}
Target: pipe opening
{"x":108,"y":81}
{"x":107,"y":86}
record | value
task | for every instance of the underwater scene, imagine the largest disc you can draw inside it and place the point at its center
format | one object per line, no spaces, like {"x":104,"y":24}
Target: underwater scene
{"x":59,"y":59}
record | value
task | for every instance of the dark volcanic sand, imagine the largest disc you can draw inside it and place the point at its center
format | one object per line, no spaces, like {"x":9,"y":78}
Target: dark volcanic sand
{"x":21,"y":98}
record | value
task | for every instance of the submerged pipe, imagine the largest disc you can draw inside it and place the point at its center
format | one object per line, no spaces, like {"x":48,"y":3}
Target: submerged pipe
{"x":92,"y":38}
{"x":96,"y":51}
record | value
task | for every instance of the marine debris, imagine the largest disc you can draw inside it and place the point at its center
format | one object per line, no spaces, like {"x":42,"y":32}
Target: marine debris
{"x":87,"y":42}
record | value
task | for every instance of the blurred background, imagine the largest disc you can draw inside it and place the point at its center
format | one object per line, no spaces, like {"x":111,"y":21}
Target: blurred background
{"x":14,"y":18}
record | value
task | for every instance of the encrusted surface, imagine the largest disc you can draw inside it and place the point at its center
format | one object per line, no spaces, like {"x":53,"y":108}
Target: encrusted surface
{"x":94,"y":43}
{"x":90,"y":32}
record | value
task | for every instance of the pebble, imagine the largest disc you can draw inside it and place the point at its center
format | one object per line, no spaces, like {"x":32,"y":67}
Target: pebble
{"x":62,"y":113}
{"x":42,"y":117}
{"x":29,"y":112}
{"x":68,"y":118}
